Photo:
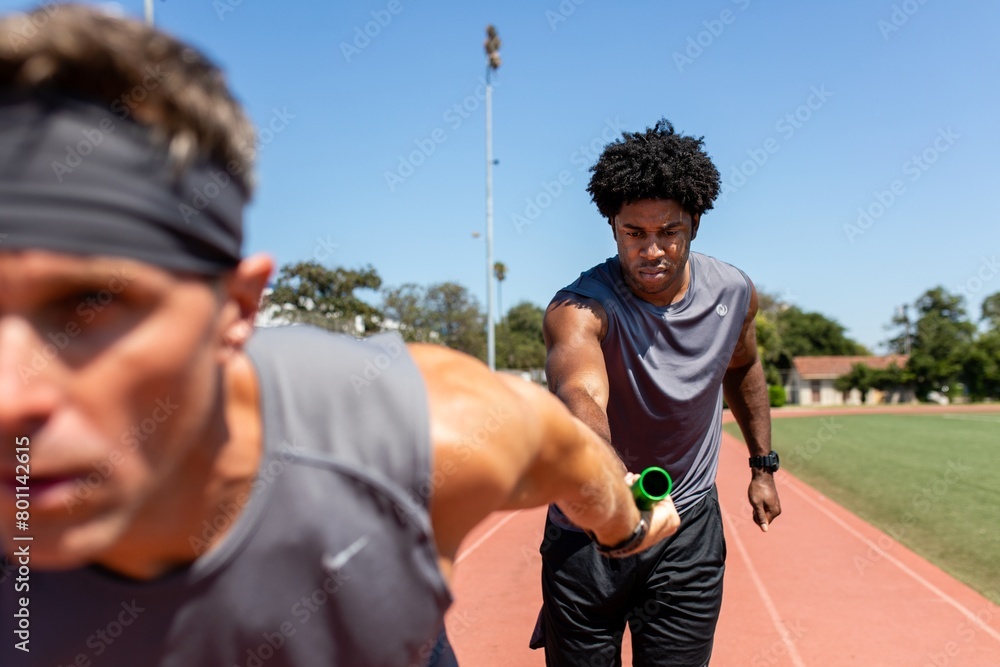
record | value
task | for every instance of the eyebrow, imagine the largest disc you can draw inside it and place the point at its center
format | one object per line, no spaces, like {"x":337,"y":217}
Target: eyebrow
{"x":673,"y":223}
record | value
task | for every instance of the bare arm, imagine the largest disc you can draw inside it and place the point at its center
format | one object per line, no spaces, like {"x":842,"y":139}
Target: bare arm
{"x":745,"y":388}
{"x":574,"y":362}
{"x":502,"y":443}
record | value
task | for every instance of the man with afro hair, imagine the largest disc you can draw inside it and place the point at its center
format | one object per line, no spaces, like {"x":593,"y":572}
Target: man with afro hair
{"x":642,"y":348}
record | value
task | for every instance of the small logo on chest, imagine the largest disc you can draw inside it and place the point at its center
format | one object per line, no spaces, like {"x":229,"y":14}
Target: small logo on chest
{"x":335,"y":562}
{"x":722,"y":309}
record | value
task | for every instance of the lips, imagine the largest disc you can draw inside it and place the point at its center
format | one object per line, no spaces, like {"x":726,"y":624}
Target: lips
{"x":44,"y":484}
{"x":45,"y":493}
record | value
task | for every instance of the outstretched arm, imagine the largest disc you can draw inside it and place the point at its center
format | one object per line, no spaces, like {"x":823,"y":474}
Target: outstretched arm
{"x":502,"y":443}
{"x":745,"y":388}
{"x":574,"y":364}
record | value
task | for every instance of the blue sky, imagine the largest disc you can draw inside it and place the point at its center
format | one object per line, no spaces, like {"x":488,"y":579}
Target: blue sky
{"x":857,"y":140}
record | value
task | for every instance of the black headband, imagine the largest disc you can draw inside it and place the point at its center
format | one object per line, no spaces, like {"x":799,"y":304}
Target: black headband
{"x":76,"y":178}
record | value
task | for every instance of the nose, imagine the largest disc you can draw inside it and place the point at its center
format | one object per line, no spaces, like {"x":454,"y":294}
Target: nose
{"x":652,"y":251}
{"x":28,"y":395}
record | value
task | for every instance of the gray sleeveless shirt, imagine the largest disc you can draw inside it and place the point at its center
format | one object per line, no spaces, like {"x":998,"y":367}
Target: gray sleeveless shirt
{"x":331,"y":561}
{"x":665,"y":369}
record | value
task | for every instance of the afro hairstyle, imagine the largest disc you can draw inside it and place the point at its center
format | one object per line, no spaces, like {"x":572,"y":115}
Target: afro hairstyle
{"x":655,"y":164}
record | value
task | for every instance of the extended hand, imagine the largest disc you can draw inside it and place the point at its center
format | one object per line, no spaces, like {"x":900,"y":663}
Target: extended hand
{"x":663,"y":522}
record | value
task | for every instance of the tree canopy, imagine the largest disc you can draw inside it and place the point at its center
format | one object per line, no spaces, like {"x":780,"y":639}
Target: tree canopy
{"x":519,"y":340}
{"x":945,"y":348}
{"x":310,"y":293}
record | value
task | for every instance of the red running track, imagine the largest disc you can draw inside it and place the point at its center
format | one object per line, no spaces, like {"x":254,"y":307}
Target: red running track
{"x":822,"y":588}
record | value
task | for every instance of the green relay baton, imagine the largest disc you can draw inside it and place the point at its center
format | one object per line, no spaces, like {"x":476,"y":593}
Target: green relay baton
{"x":653,"y":485}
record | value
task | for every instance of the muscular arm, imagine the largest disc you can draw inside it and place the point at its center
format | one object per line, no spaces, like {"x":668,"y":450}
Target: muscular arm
{"x":745,"y":388}
{"x":574,"y":365}
{"x":502,"y":443}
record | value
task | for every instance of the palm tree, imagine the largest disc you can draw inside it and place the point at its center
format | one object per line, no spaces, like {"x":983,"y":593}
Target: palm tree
{"x":500,"y":273}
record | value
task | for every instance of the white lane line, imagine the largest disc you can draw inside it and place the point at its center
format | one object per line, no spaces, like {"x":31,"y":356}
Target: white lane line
{"x":768,"y":602}
{"x":973,"y":418}
{"x":973,"y":618}
{"x":489,"y":533}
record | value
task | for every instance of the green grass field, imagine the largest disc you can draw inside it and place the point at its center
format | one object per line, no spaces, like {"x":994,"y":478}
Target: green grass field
{"x":930,"y":481}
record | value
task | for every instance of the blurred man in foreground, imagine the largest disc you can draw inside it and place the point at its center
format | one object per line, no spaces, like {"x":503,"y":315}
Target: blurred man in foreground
{"x":176,"y":489}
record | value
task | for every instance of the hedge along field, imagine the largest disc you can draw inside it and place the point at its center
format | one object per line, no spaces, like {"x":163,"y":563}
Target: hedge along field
{"x":930,"y":481}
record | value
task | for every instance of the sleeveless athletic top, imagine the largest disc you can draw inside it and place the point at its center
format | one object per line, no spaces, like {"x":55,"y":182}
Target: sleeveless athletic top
{"x":665,"y":367}
{"x":330,"y":563}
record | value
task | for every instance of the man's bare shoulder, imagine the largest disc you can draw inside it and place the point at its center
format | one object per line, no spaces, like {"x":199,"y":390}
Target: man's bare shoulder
{"x":442,"y":366}
{"x":570,"y":315}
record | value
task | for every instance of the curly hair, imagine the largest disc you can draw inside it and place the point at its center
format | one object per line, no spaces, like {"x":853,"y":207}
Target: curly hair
{"x":655,"y":164}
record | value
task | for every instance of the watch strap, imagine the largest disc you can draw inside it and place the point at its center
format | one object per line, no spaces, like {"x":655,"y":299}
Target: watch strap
{"x":766,"y":462}
{"x":630,"y":543}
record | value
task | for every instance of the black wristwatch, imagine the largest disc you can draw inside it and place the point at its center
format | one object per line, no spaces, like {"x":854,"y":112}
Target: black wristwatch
{"x":629,"y":544}
{"x":768,"y":463}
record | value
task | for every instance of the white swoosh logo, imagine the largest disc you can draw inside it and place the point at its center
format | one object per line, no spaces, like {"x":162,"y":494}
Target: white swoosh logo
{"x":336,"y":562}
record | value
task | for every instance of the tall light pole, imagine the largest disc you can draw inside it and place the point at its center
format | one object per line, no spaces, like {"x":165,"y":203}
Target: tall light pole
{"x":149,"y":12}
{"x":492,"y":46}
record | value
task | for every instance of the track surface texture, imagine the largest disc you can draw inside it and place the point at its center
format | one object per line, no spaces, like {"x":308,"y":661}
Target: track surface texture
{"x":822,"y":588}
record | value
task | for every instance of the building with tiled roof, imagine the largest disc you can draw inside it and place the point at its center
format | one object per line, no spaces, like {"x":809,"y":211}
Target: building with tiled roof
{"x":811,"y":380}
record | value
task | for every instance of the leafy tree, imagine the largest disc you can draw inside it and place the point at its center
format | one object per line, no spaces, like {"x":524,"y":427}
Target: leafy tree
{"x":500,"y":273}
{"x":991,"y":311}
{"x":776,"y":395}
{"x":890,"y":378}
{"x":860,"y":377}
{"x":941,"y":339}
{"x":785,"y":331}
{"x":808,"y":334}
{"x":405,"y":306}
{"x":980,"y":371}
{"x":455,"y":316}
{"x":444,"y":313}
{"x":523,"y":346}
{"x":310,"y":293}
{"x":769,"y":347}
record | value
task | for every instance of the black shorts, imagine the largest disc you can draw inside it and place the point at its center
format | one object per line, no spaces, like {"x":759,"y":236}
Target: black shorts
{"x":669,"y":595}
